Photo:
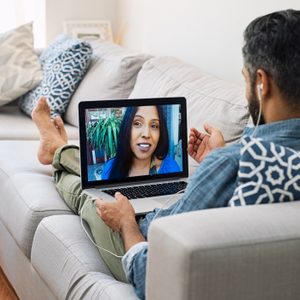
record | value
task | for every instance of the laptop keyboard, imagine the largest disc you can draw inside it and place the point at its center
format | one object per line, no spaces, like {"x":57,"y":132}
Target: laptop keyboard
{"x":152,"y":190}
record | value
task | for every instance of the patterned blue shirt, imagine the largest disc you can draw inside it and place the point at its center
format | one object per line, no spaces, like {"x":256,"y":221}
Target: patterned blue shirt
{"x":211,"y":186}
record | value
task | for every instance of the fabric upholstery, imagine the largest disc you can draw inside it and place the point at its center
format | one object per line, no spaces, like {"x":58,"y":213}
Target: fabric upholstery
{"x":209,"y":99}
{"x":28,"y":191}
{"x":73,"y":264}
{"x":111,"y":75}
{"x":18,"y":269}
{"x":14,"y":125}
{"x":62,"y":72}
{"x":20,"y":69}
{"x":226,"y":254}
{"x":268,"y":173}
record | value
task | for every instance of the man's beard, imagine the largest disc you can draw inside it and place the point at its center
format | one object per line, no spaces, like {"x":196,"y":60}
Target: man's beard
{"x":254,"y":106}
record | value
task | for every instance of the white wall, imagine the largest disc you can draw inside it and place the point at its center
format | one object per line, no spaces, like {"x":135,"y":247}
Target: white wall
{"x":50,"y":15}
{"x":60,"y":10}
{"x":207,"y":33}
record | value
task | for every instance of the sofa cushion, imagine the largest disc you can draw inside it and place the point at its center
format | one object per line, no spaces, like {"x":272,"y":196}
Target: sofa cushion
{"x":27,"y":191}
{"x":268,"y":173}
{"x":63,"y":70}
{"x":209,"y":99}
{"x":20,"y":69}
{"x":111,"y":75}
{"x":71,"y":265}
{"x":14,"y":125}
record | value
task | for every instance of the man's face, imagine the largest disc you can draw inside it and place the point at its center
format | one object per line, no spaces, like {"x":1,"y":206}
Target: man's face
{"x":253,"y":102}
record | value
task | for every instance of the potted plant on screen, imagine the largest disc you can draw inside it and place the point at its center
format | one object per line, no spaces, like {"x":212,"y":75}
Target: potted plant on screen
{"x":103,"y":135}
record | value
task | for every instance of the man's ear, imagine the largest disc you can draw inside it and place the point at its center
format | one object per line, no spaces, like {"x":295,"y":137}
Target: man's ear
{"x":263,"y":83}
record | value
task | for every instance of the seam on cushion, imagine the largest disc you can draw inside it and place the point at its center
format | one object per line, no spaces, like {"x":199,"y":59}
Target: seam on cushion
{"x":125,"y":83}
{"x":257,"y":243}
{"x":185,"y":86}
{"x":66,"y":247}
{"x":39,"y":211}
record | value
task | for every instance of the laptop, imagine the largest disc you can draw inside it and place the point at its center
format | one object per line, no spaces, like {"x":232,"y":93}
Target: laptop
{"x":137,"y":147}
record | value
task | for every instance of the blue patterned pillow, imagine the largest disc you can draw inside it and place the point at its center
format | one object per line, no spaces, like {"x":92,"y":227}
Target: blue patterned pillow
{"x":64,"y":64}
{"x":61,"y":43}
{"x":268,"y":173}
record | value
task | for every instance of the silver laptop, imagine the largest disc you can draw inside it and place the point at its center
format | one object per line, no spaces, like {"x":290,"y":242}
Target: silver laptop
{"x":137,"y":147}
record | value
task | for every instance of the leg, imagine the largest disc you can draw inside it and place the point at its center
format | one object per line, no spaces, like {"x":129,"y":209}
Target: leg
{"x":68,"y":184}
{"x":106,"y":239}
{"x":65,"y":159}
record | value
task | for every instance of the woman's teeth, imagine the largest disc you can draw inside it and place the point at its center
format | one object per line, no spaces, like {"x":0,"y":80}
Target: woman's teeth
{"x":144,"y":145}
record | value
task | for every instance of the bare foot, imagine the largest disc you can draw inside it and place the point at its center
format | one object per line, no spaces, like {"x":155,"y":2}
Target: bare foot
{"x":52,"y":132}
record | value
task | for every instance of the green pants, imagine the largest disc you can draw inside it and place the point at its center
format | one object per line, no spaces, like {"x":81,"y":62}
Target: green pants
{"x":67,"y":181}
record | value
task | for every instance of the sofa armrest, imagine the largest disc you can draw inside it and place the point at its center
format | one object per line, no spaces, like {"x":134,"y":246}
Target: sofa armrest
{"x":226,"y":253}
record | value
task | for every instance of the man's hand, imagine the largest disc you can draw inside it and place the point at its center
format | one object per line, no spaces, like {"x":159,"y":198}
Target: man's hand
{"x":120,"y":216}
{"x":200,"y":144}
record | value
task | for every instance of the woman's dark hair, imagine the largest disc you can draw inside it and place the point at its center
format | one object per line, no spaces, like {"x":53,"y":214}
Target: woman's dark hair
{"x":272,"y":43}
{"x":123,"y":159}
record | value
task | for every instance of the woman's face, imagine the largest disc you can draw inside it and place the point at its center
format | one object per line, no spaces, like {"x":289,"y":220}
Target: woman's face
{"x":144,"y":132}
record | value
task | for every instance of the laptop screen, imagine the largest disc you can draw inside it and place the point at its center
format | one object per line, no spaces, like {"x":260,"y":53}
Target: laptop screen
{"x":123,"y":141}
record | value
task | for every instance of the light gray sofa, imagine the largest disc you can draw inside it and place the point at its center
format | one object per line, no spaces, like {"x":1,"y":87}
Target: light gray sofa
{"x":240,"y":253}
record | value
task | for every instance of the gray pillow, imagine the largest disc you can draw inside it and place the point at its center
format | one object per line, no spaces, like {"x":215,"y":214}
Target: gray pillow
{"x":20,"y":69}
{"x":111,"y":75}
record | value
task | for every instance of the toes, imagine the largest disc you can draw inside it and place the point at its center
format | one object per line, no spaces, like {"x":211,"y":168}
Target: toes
{"x":41,"y":110}
{"x":59,"y":121}
{"x":59,"y":124}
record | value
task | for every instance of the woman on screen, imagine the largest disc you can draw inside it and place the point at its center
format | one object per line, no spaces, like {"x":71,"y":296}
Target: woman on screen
{"x":143,"y":145}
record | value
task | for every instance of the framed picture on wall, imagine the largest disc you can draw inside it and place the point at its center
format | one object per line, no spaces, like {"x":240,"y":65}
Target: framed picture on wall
{"x":89,"y":30}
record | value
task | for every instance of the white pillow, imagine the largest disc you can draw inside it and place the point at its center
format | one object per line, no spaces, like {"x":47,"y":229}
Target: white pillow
{"x":209,"y":98}
{"x":20,"y":69}
{"x":111,"y":75}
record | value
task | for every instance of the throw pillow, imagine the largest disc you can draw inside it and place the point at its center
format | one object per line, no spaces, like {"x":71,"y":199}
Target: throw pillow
{"x":268,"y":173}
{"x":60,"y":44}
{"x":64,"y":64}
{"x":20,"y":69}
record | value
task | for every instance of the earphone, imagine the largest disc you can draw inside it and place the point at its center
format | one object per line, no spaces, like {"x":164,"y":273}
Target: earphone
{"x":259,"y":90}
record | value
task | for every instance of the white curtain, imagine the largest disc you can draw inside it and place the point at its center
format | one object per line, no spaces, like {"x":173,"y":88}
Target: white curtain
{"x":15,"y":12}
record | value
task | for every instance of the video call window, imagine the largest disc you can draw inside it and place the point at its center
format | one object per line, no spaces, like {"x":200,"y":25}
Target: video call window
{"x":122,"y":137}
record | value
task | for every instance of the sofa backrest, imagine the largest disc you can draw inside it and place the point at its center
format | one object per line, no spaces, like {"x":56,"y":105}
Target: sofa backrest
{"x":209,"y":99}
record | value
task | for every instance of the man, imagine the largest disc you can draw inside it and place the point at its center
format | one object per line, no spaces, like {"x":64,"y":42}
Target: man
{"x":272,"y":75}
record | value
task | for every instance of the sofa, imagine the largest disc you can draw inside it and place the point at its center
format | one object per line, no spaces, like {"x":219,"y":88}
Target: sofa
{"x":224,"y":253}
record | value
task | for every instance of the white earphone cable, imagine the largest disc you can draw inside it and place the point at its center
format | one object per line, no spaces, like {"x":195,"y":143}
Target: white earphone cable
{"x":260,"y":110}
{"x":81,"y":221}
{"x":166,"y":203}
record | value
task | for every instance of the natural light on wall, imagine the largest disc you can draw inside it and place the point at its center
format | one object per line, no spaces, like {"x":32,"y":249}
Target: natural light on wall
{"x":17,"y":12}
{"x":7,"y":15}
